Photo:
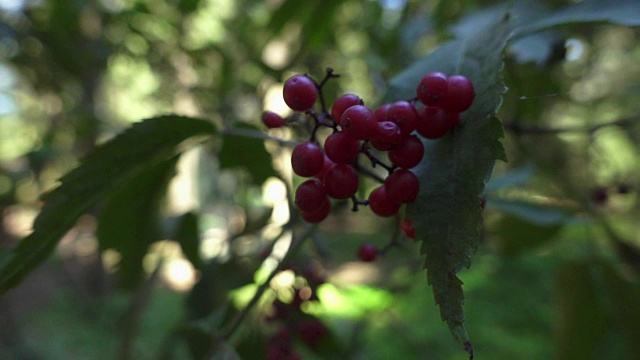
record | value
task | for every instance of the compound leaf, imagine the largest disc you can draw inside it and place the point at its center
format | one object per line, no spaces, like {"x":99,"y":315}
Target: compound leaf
{"x":456,"y":167}
{"x":100,"y":173}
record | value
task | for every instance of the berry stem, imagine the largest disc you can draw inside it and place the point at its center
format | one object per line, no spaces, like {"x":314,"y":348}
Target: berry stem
{"x":329,"y":74}
{"x":356,"y":203}
{"x":367,"y":172}
{"x":374,"y":160}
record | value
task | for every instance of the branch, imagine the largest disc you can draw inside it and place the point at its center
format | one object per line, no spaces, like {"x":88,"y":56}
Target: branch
{"x":226,"y":333}
{"x":528,"y":129}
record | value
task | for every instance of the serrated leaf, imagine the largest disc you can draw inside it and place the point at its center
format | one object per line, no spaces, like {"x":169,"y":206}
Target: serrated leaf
{"x":456,"y":167}
{"x":245,"y":152}
{"x":99,"y":173}
{"x":129,"y":222}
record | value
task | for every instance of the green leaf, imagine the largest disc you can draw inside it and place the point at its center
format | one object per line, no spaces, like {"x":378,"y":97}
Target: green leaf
{"x":130,"y":220}
{"x":514,"y":177}
{"x":516,"y":235}
{"x":456,"y":167}
{"x":535,"y":213}
{"x":246,"y":152}
{"x":622,"y":12}
{"x":188,"y":236}
{"x":99,"y":173}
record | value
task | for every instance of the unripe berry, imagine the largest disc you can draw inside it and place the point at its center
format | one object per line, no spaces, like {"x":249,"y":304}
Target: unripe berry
{"x":359,"y":122}
{"x":307,"y":159}
{"x":318,"y":215}
{"x":402,"y":186}
{"x":272,"y":120}
{"x":367,"y":252}
{"x":341,"y":148}
{"x":341,"y":181}
{"x":310,"y":196}
{"x":404,"y":114}
{"x":459,"y":96}
{"x":300,"y":93}
{"x":408,"y":154}
{"x":381,"y":204}
{"x":432,"y":88}
{"x":387,"y":137}
{"x":343,"y":103}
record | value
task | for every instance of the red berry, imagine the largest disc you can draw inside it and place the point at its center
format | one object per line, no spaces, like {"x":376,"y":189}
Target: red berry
{"x":382,"y":112}
{"x":317,"y":216}
{"x":402,"y":186}
{"x":311,"y":332}
{"x":359,"y":122}
{"x":600,"y":195}
{"x":459,"y":96}
{"x":367,"y":252}
{"x":300,"y":92}
{"x":307,"y":159}
{"x":310,"y":196}
{"x":432,"y":88}
{"x":341,"y":148}
{"x":381,"y":204}
{"x":341,"y":181}
{"x":387,"y":137}
{"x":272,"y":120}
{"x":404,"y":114}
{"x":343,"y":103}
{"x":328,"y":163}
{"x":408,"y":154}
{"x":433,"y":123}
{"x":407,"y":228}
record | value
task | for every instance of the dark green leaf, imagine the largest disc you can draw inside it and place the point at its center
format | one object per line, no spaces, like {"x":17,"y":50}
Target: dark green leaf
{"x":288,"y":10}
{"x":217,"y":279}
{"x":515,"y":235}
{"x":188,"y":236}
{"x":129,"y":222}
{"x":625,"y":303}
{"x":248,"y":153}
{"x":582,"y":316}
{"x":456,"y":167}
{"x":100,"y":173}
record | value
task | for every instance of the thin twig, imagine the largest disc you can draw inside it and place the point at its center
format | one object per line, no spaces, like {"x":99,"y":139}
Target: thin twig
{"x":257,"y":135}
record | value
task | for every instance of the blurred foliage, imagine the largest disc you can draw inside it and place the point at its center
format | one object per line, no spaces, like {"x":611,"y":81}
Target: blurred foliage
{"x":559,"y":258}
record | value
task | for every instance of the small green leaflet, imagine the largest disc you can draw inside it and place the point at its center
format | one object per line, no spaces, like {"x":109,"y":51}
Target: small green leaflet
{"x":99,"y":174}
{"x":456,"y":167}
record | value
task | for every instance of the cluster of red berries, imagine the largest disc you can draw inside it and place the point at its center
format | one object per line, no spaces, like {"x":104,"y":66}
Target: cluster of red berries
{"x":333,"y":169}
